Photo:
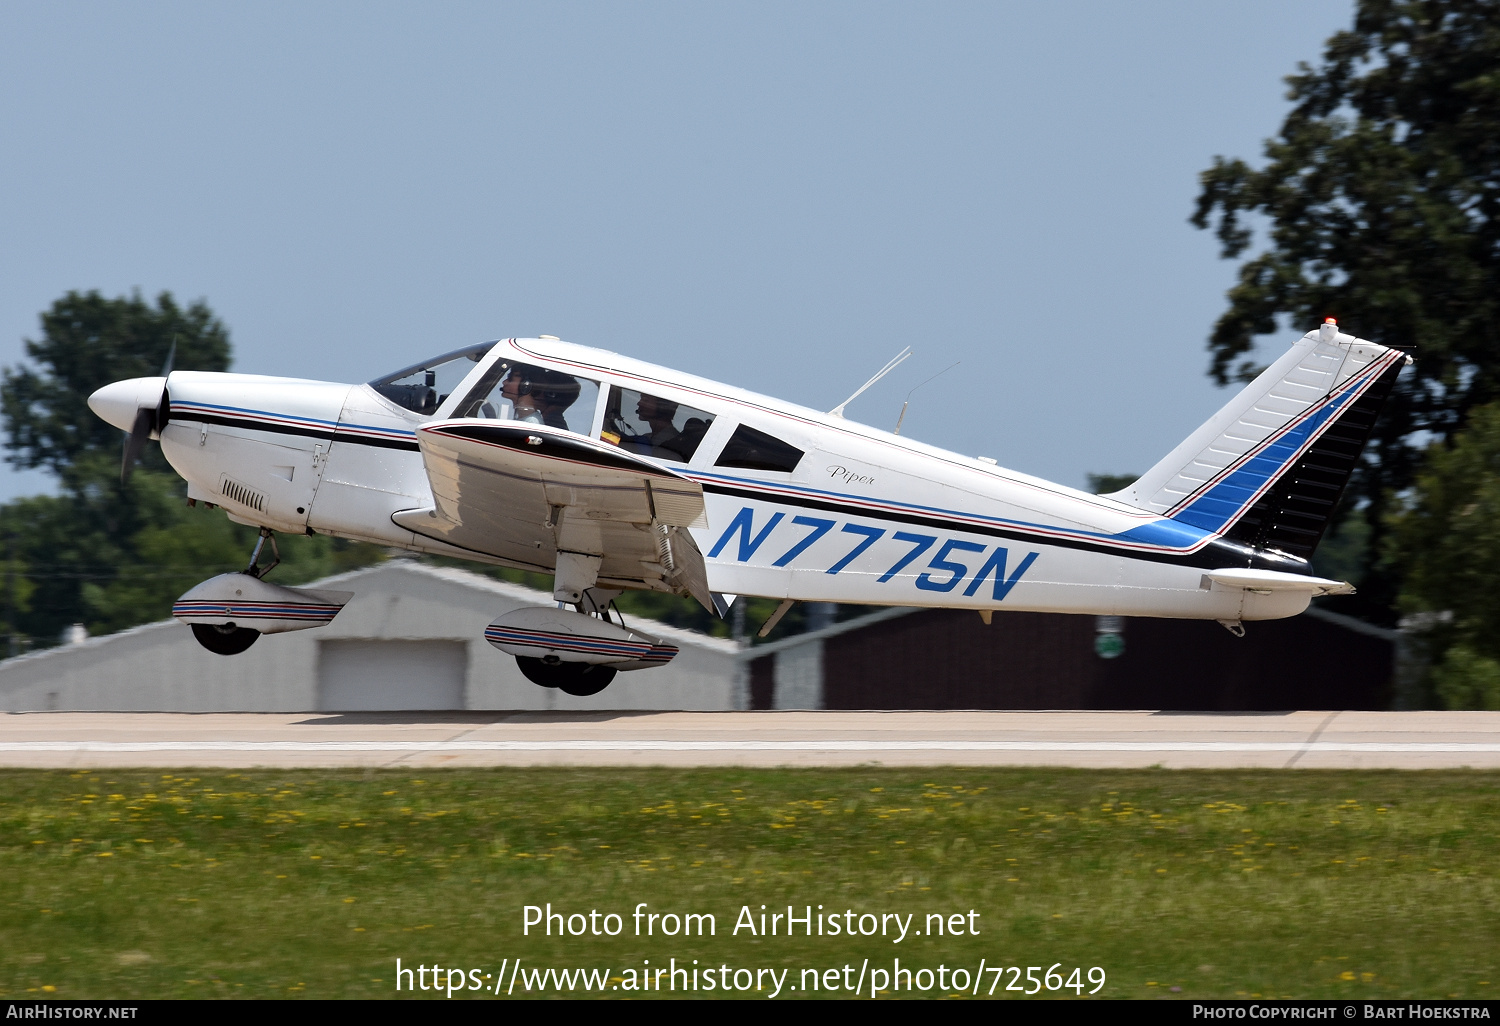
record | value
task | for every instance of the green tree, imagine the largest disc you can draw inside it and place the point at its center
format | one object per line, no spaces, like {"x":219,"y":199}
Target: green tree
{"x":87,"y":342}
{"x":1104,"y":484}
{"x":1445,"y":538}
{"x":1380,"y":203}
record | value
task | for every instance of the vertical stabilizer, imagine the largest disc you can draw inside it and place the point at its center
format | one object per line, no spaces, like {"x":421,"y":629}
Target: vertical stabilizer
{"x":1269,"y":468}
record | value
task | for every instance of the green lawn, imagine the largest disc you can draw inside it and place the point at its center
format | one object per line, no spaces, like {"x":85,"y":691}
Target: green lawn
{"x":279,"y":883}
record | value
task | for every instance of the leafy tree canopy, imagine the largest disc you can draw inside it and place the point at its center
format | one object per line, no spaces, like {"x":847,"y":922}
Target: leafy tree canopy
{"x":1104,"y":484}
{"x":88,"y":341}
{"x":1445,"y":537}
{"x":1380,"y":203}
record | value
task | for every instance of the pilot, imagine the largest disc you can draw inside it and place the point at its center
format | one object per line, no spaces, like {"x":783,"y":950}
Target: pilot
{"x":540,"y":396}
{"x":517,"y":388}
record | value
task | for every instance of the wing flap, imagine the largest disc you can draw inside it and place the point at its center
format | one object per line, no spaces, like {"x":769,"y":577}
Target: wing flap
{"x":691,"y":574}
{"x":679,"y":504}
{"x":523,"y":492}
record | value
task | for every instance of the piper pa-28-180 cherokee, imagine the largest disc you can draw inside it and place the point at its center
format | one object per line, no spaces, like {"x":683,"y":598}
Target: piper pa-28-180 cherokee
{"x":614,"y":474}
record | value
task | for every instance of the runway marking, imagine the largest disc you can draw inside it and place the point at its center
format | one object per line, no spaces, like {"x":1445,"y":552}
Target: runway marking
{"x":643,"y":745}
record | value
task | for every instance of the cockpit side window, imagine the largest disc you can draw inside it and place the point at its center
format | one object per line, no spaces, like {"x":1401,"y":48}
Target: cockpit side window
{"x":532,"y":395}
{"x":653,"y":426}
{"x":423,"y":387}
{"x":750,"y":449}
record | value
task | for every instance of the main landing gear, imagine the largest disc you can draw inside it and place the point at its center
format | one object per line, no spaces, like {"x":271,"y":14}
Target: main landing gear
{"x":578,"y":651}
{"x":578,"y":679}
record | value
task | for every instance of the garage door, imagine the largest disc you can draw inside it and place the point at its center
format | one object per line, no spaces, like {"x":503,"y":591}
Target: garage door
{"x":362,"y":676}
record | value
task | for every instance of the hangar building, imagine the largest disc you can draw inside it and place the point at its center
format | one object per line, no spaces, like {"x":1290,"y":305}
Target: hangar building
{"x":411,"y":638}
{"x":950,"y":659}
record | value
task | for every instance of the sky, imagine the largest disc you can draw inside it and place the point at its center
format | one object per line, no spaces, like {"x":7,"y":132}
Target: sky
{"x":780,"y":196}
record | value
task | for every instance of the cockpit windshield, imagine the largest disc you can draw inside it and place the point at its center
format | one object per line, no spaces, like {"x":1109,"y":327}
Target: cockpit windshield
{"x":423,"y":387}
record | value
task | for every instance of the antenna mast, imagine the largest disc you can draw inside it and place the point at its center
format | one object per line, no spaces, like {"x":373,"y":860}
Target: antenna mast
{"x":838,"y":411}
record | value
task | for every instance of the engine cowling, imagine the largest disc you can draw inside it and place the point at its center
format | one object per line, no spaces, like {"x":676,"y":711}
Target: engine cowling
{"x":537,"y":632}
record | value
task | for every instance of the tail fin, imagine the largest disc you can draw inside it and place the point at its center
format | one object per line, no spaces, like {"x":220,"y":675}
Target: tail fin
{"x":1269,"y":468}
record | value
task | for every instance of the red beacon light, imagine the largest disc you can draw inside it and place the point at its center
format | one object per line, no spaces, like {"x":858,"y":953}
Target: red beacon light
{"x":1328,"y":331}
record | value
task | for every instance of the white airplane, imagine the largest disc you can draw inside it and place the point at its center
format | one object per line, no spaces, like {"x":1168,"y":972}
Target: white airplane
{"x":614,"y":474}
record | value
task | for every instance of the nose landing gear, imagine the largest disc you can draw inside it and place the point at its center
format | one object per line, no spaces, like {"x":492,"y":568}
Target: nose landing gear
{"x":224,"y":639}
{"x":229,"y":612}
{"x":260,"y":571}
{"x":229,"y":639}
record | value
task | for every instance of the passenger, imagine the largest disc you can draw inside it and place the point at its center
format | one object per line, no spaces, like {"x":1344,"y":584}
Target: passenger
{"x":685,"y":444}
{"x":656,"y":413}
{"x":555,"y":392}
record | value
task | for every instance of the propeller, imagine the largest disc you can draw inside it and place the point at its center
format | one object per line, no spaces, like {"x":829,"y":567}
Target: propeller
{"x":149,"y":420}
{"x":140,"y":434}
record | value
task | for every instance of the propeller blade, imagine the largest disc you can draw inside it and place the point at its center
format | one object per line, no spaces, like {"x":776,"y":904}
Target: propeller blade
{"x":163,"y":412}
{"x":140,"y":434}
{"x":166,"y":368}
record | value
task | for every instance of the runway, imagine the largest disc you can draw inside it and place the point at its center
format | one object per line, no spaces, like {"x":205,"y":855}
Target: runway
{"x":1305,"y":740}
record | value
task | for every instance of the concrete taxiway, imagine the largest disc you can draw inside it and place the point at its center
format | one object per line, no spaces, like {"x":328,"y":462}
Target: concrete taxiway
{"x":1308,"y":739}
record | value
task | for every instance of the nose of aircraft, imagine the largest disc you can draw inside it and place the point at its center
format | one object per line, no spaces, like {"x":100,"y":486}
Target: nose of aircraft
{"x":117,"y":403}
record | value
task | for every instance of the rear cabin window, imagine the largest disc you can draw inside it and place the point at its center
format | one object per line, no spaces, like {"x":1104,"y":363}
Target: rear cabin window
{"x":749,"y":449}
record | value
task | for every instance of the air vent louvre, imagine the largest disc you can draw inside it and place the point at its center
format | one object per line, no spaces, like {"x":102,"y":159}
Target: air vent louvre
{"x":236,"y":492}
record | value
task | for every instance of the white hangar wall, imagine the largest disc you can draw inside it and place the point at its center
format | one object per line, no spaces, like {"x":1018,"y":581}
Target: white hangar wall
{"x":411,"y":638}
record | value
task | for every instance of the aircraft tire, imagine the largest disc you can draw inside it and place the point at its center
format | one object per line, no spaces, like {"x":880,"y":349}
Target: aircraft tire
{"x":538,"y":672}
{"x":577,"y":679}
{"x":227,"y":640}
{"x":591,"y":681}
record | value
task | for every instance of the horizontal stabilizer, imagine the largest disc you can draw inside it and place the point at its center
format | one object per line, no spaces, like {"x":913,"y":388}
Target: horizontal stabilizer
{"x":1266,"y":581}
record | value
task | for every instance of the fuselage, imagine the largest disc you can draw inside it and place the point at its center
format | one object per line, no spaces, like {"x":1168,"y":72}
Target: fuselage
{"x":800,"y":504}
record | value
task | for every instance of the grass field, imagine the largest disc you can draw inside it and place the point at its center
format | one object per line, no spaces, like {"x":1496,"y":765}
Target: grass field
{"x":1175,"y":883}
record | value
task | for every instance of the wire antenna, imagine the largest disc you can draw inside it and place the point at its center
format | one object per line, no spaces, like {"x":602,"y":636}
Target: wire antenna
{"x":838,"y":411}
{"x":904,"y":405}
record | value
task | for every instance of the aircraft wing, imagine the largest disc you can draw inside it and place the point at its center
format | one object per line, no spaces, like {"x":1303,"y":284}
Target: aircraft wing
{"x":524,"y":492}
